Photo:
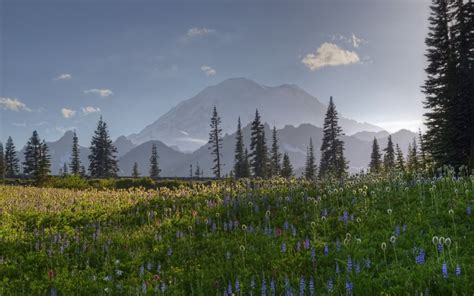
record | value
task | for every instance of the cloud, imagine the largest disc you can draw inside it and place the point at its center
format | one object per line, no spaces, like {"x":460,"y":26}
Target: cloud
{"x":68,"y":113}
{"x":89,"y":109}
{"x":196,"y":32}
{"x":103,"y":92}
{"x":13,"y":105}
{"x":356,"y":41}
{"x":352,"y":40}
{"x":329,"y":54}
{"x":19,"y":124}
{"x":63,"y":77}
{"x":208,"y":70}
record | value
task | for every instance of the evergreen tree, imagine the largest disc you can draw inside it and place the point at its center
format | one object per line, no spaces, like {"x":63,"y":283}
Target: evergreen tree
{"x":258,"y":148}
{"x":197,"y":173}
{"x":246,"y":166}
{"x":439,"y":87}
{"x":215,"y":142}
{"x":239,"y":156}
{"x":412,"y":158}
{"x":275,"y":157}
{"x":462,"y":42}
{"x":389,"y":156}
{"x":44,"y":164}
{"x":103,"y":163}
{"x":32,"y":155}
{"x":333,"y":162}
{"x":424,"y":158}
{"x":65,"y":171}
{"x":135,"y":173}
{"x":11,"y":161}
{"x":400,"y":162}
{"x":2,"y":162}
{"x":310,"y":168}
{"x":375,"y":158}
{"x":83,"y":172}
{"x":75,"y":164}
{"x":287,"y":168}
{"x":190,"y":170}
{"x":154,"y":168}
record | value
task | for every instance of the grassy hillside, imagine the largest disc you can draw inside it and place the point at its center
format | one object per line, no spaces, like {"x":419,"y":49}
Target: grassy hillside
{"x":372,"y":235}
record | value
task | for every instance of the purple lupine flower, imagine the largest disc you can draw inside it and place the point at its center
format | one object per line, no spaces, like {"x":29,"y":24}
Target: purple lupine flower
{"x":397,"y":230}
{"x":420,"y":259}
{"x":285,"y":225}
{"x":440,"y":248}
{"x":458,"y":270}
{"x":163,"y":287}
{"x":349,"y":287}
{"x":368,"y":263}
{"x":170,"y":251}
{"x":53,"y":291}
{"x":326,"y":250}
{"x":469,"y":210}
{"x":311,"y":286}
{"x":142,"y":270}
{"x":293,"y":230}
{"x":229,"y":288}
{"x":287,"y":286}
{"x":444,"y":270}
{"x":237,"y":286}
{"x":338,"y":245}
{"x":302,"y":286}
{"x":313,"y":254}
{"x":264,"y":287}
{"x":330,"y":286}
{"x":214,"y":227}
{"x":404,"y":228}
{"x":357,"y":267}
{"x":283,"y":247}
{"x":349,"y":264}
{"x":307,"y":243}
{"x":272,"y":287}
{"x":337,"y":268}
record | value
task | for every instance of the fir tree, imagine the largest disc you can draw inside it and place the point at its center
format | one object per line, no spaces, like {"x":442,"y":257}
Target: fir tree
{"x":239,"y":155}
{"x":2,"y":162}
{"x":412,"y":158}
{"x":258,"y":148}
{"x":275,"y":157}
{"x":439,"y":87}
{"x":197,"y":173}
{"x":287,"y":168}
{"x":424,"y":159}
{"x":65,"y":171}
{"x":154,"y":168}
{"x":375,"y":158}
{"x":400,"y":161}
{"x":389,"y":156}
{"x":43,"y":169}
{"x":215,"y":142}
{"x":135,"y":173}
{"x":75,"y":164}
{"x":32,"y":155}
{"x":333,"y":162}
{"x":246,"y":165}
{"x":310,"y":168}
{"x":83,"y":172}
{"x":11,"y":161}
{"x":103,"y":163}
{"x":190,"y":170}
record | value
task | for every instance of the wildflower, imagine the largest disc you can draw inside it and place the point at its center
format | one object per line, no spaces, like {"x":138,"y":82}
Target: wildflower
{"x":469,"y":210}
{"x":357,"y":267}
{"x":389,"y":211}
{"x":338,"y":245}
{"x":264,"y":287}
{"x":252,"y":283}
{"x":237,"y":286}
{"x":349,"y":287}
{"x":349,"y":264}
{"x":440,"y":248}
{"x":298,"y":246}
{"x":337,"y":268}
{"x":383,"y":246}
{"x":53,"y":291}
{"x":311,"y":286}
{"x":420,"y":259}
{"x":272,"y":287}
{"x":444,"y":270}
{"x":302,"y":286}
{"x":393,"y":239}
{"x":397,"y":230}
{"x":368,"y":263}
{"x":283,"y":247}
{"x":326,"y":250}
{"x":306,"y":243}
{"x":163,"y":287}
{"x":170,"y":251}
{"x":313,"y":254}
{"x":458,"y":270}
{"x":330,"y":286}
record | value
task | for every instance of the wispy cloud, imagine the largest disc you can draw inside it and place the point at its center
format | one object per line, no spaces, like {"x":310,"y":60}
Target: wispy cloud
{"x":329,"y":54}
{"x":68,"y":113}
{"x":64,"y":76}
{"x":103,"y":92}
{"x":353,"y":40}
{"x":13,"y":105}
{"x":208,"y":70}
{"x":19,"y":124}
{"x":196,"y":32}
{"x":89,"y":109}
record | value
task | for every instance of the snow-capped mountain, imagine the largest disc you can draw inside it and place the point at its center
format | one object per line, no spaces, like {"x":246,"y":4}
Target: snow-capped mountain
{"x":187,"y":125}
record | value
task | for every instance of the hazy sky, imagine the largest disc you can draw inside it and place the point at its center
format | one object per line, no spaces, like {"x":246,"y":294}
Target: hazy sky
{"x":65,"y":62}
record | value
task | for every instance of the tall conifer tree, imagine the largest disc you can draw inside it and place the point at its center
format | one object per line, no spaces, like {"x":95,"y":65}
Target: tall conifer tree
{"x":389,"y":155}
{"x":239,"y":155}
{"x":287,"y":168}
{"x":215,"y":142}
{"x":103,"y":163}
{"x":11,"y":160}
{"x":275,"y":157}
{"x":375,"y":158}
{"x":32,"y":155}
{"x":310,"y":168}
{"x":333,"y":162}
{"x":258,"y":148}
{"x":75,"y":164}
{"x":154,"y":168}
{"x":2,"y":162}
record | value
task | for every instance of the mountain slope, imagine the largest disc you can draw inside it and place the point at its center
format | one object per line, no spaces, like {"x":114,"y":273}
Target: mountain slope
{"x":187,"y":124}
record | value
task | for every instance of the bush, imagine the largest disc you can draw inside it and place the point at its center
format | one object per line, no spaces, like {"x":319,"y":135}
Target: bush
{"x":68,"y":182}
{"x":144,"y":182}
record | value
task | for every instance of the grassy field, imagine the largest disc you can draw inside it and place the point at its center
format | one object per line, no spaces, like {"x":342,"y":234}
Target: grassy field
{"x":410,"y":235}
